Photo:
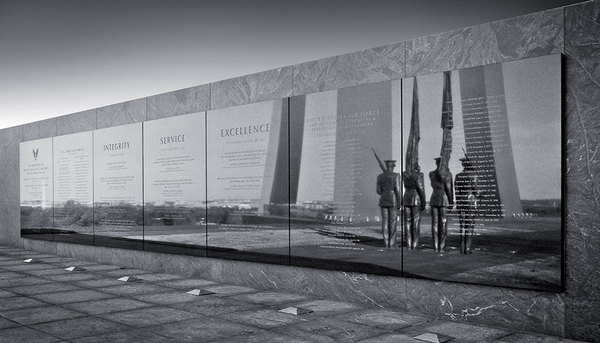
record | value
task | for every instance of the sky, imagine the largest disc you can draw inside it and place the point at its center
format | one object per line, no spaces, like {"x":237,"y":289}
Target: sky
{"x":64,"y":56}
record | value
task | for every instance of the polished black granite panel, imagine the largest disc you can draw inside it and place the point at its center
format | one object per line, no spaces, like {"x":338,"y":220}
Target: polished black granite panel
{"x":36,"y":188}
{"x":73,"y":188}
{"x":501,"y":204}
{"x":118,"y":207}
{"x":336,"y":221}
{"x":247,"y":182}
{"x":175,"y":184}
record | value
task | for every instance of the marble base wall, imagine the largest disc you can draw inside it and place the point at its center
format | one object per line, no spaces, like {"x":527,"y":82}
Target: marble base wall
{"x":582,"y":109}
{"x":573,"y":31}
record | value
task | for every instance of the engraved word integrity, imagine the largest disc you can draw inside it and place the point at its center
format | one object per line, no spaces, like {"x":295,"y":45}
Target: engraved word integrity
{"x":116,"y":146}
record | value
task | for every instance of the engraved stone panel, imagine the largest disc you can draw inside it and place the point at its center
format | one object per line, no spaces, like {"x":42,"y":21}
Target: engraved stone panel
{"x":500,"y":202}
{"x":118,"y":208}
{"x":73,"y":188}
{"x":175,"y":184}
{"x":36,"y":188}
{"x":247,"y":182}
{"x":335,"y":207}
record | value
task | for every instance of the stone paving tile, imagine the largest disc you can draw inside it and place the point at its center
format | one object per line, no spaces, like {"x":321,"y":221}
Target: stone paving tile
{"x":227,"y":290}
{"x":18,"y":302}
{"x":54,"y":259}
{"x":26,"y":335}
{"x":234,"y":314}
{"x":107,"y":305}
{"x":22,"y":281}
{"x":46,"y":288}
{"x":95,"y":283}
{"x":337,"y":329}
{"x":202,"y":329}
{"x":38,"y":315}
{"x":384,"y":319}
{"x":12,"y":262}
{"x":10,"y":275}
{"x":5,"y":323}
{"x":72,"y":296}
{"x":149,"y":316}
{"x":519,"y":337}
{"x":6,"y":294}
{"x":157,"y":277}
{"x":100,"y":267}
{"x":270,"y":298}
{"x":188,"y":284}
{"x":264,"y":336}
{"x":80,"y":327}
{"x":122,"y":272}
{"x":26,"y":266}
{"x":131,"y":336}
{"x":328,"y":307}
{"x":395,"y":338}
{"x":166,"y":298}
{"x":47,"y":271}
{"x":133,"y":288}
{"x":265,"y":318}
{"x":210,"y":305}
{"x":71,"y":277}
{"x":309,"y":336}
{"x":461,"y":332}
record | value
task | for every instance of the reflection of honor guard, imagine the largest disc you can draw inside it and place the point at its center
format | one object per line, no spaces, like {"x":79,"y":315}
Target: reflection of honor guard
{"x":388,"y":187}
{"x":441,"y":198}
{"x":467,"y":193}
{"x":414,"y":203}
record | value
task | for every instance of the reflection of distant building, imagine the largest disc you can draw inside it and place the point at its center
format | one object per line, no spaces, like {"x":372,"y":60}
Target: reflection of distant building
{"x":487,"y":139}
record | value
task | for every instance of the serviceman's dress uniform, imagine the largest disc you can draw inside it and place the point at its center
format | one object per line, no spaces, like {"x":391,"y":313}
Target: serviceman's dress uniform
{"x":414,"y":203}
{"x":388,"y":187}
{"x":441,"y":198}
{"x":467,"y":193}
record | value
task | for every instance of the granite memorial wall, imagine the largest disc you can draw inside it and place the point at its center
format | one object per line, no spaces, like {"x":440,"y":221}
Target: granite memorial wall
{"x":437,"y":176}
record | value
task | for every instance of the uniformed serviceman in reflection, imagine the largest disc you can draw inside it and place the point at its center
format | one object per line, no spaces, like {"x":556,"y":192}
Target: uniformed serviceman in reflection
{"x":467,"y":194}
{"x":441,"y":199}
{"x":414,"y":203}
{"x":388,"y":187}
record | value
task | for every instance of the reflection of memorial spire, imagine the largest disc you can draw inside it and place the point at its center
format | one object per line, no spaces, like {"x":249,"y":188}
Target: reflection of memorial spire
{"x":412,"y":151}
{"x":447,"y":125}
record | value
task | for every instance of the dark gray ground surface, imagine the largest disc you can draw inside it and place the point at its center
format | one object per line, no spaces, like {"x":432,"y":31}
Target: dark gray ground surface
{"x":41,"y":302}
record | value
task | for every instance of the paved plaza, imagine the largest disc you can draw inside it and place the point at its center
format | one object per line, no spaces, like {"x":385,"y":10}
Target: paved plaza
{"x":42,"y":302}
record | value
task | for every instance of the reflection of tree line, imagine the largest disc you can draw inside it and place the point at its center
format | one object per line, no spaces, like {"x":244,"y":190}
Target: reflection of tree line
{"x":171,"y":214}
{"x":74,"y":213}
{"x":120,"y":212}
{"x":36,"y":217}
